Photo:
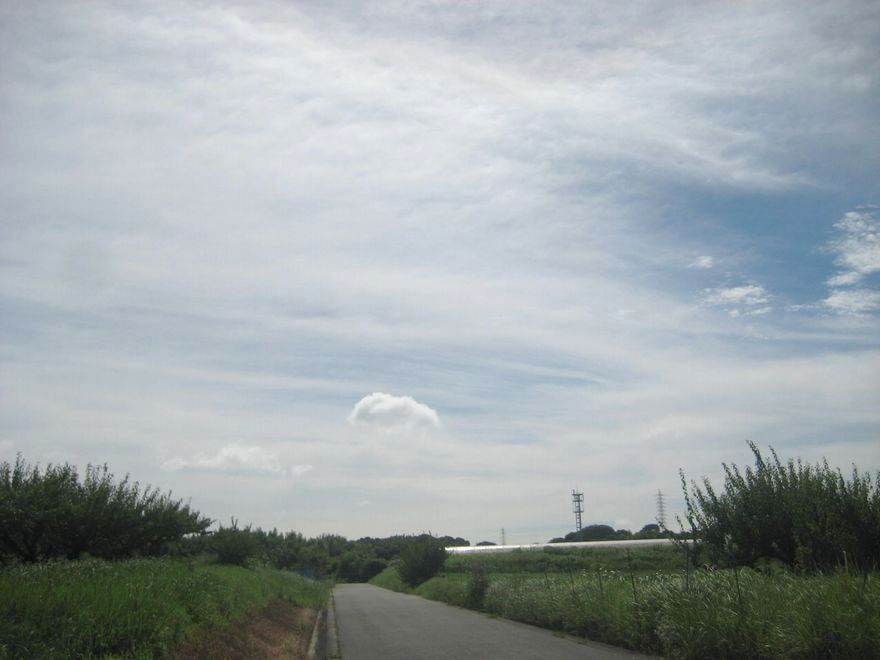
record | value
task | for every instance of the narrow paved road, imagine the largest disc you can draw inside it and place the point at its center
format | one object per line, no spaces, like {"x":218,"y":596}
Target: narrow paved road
{"x":377,"y":624}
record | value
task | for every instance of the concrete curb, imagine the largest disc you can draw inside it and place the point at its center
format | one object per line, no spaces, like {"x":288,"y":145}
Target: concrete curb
{"x":331,"y":648}
{"x":318,"y":639}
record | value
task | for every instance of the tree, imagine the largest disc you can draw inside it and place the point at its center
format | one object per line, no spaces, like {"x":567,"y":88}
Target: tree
{"x":806,"y":516}
{"x":234,"y":545}
{"x":421,"y":558}
{"x":48,"y":513}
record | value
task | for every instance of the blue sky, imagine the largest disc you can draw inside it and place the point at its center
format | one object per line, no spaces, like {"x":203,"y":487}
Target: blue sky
{"x":371,"y":268}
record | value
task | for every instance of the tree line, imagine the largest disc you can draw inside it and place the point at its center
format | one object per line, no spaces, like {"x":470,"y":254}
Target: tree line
{"x":57,"y":513}
{"x":807,"y":517}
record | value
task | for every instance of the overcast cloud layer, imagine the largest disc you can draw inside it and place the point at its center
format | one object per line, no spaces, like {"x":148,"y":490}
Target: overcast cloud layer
{"x":373,"y":268}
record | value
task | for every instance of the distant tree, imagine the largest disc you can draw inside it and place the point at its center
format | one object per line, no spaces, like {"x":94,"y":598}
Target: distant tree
{"x":421,"y":558}
{"x":649,"y":531}
{"x":359,"y":564}
{"x":234,"y":545}
{"x":485,"y":543}
{"x":593,"y":533}
{"x":454,"y":542}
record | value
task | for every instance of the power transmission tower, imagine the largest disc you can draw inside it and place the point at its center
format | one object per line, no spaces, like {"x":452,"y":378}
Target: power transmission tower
{"x":661,"y":510}
{"x":503,"y":537}
{"x":577,"y":505}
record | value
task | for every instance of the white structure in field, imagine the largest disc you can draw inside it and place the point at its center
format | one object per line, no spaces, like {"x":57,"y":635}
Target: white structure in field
{"x":540,"y":547}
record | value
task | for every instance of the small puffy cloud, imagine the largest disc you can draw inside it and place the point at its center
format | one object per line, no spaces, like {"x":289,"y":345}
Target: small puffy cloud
{"x":389,"y":412}
{"x":703,"y":262}
{"x":749,"y":295}
{"x":239,"y":458}
{"x":853,"y":301}
{"x":857,"y":248}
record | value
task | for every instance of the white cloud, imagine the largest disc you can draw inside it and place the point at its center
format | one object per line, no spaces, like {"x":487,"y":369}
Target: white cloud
{"x":389,"y":412}
{"x":853,"y":301}
{"x":857,"y":248}
{"x":844,"y":279}
{"x":858,"y":251}
{"x":751,"y":294}
{"x":703,"y":262}
{"x":240,"y":458}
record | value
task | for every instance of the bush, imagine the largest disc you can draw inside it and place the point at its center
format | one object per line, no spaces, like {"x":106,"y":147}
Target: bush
{"x":477,"y":586}
{"x":804,"y":516}
{"x":359,"y":565}
{"x":421,"y":558}
{"x":50,"y":513}
{"x":234,"y":546}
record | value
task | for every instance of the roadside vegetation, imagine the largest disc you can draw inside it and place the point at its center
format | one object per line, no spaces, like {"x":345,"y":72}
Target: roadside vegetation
{"x":133,"y":608}
{"x":783,"y":563}
{"x":91,"y":566}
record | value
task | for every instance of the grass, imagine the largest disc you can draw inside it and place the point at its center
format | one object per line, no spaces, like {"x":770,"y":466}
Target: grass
{"x":640,"y":559}
{"x":137,"y":608}
{"x":390,"y":579}
{"x":706,"y":613}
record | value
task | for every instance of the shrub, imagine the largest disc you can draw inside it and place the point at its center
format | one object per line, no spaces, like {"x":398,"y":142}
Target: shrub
{"x":421,"y":558}
{"x":477,"y":586}
{"x":805,"y":516}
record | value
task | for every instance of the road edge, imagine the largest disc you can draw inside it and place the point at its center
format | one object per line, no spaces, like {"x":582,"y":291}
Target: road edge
{"x":324,"y":642}
{"x":317,"y":642}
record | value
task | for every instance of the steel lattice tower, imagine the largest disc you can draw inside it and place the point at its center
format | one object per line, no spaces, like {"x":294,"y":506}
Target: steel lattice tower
{"x":577,"y":505}
{"x":661,"y":510}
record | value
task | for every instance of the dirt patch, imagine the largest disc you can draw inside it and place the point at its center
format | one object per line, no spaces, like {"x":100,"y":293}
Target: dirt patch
{"x":279,"y":630}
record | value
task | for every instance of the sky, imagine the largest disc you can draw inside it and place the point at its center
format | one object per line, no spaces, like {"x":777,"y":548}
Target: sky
{"x":394,"y":267}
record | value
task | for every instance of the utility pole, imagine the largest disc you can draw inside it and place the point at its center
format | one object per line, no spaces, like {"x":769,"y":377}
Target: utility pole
{"x":503,"y":537}
{"x":577,"y":505}
{"x":661,"y":510}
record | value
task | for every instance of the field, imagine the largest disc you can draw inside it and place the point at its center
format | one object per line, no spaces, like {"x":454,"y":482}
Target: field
{"x":640,"y":600}
{"x":136,"y":608}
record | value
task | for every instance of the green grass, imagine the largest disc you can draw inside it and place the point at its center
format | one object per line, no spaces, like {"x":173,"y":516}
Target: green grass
{"x":704,"y":614}
{"x":640,"y":559}
{"x":450,"y":589}
{"x":390,"y":579}
{"x":766,"y":616}
{"x":136,"y":608}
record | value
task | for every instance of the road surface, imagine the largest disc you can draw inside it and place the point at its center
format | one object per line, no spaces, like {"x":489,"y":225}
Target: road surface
{"x":377,"y":624}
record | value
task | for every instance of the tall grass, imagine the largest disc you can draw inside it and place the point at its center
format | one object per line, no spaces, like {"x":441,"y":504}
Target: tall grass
{"x":719,"y":614}
{"x":649,"y":558}
{"x":134,"y":608}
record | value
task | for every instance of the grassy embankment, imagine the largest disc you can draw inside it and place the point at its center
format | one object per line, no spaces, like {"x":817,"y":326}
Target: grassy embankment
{"x":639,"y":600}
{"x":137,"y":608}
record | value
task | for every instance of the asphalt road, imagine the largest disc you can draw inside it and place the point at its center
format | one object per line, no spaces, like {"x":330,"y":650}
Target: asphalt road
{"x":377,"y":624}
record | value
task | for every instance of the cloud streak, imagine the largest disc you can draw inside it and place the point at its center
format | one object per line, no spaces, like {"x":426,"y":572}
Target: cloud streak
{"x":240,"y":459}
